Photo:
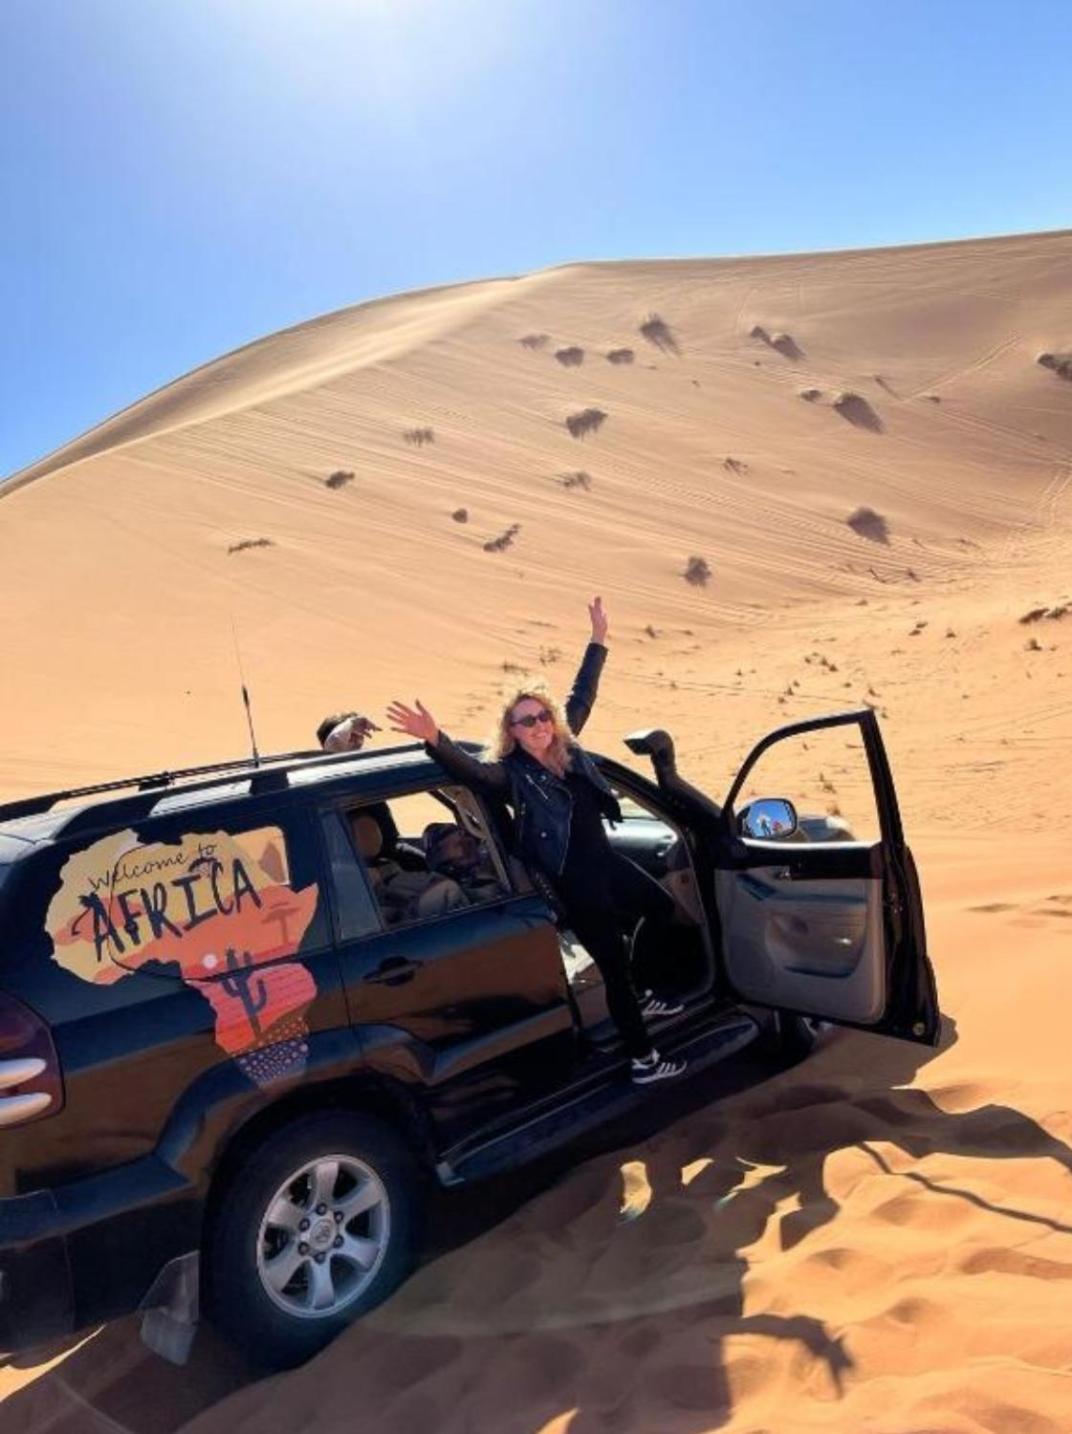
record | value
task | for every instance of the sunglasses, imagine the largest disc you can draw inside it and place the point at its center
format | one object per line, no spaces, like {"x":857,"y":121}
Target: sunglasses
{"x":532,"y":718}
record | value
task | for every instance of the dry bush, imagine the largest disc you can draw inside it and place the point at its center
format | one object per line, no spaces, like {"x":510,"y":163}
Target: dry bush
{"x":339,"y":478}
{"x":697,"y":572}
{"x":786,"y":345}
{"x":658,"y":332}
{"x":572,"y":357}
{"x":811,"y":395}
{"x":460,"y":515}
{"x":856,"y":409}
{"x":759,"y":332}
{"x":1053,"y":614}
{"x":621,"y":356}
{"x":419,"y":436}
{"x":869,"y":524}
{"x":589,"y":420}
{"x":580,"y":479}
{"x":1060,"y":364}
{"x":735,"y":465}
{"x":534,"y":341}
{"x":250,"y":543}
{"x":503,"y":541}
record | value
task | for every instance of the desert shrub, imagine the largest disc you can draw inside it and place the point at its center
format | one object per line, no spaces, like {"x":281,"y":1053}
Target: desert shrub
{"x":1060,"y":364}
{"x":869,"y":524}
{"x":589,"y":420}
{"x":503,"y":541}
{"x":658,"y":332}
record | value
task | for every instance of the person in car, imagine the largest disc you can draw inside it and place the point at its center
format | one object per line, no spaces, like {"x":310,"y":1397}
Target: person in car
{"x":345,"y":732}
{"x":403,"y":893}
{"x":559,"y":799}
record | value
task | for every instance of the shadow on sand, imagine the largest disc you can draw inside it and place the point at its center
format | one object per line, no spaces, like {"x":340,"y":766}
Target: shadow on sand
{"x":849,"y":1095}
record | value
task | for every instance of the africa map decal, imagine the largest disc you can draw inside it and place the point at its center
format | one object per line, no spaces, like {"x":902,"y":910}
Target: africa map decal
{"x":219,"y":907}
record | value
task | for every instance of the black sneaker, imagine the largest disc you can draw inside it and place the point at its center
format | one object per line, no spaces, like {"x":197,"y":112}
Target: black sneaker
{"x":654,"y":1008}
{"x":645,"y":1070}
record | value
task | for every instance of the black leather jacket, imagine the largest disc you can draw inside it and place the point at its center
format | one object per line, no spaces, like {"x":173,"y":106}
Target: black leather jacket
{"x":542,"y":804}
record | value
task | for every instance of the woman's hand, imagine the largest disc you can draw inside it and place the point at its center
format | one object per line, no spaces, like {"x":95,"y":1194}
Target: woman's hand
{"x":420,"y":723}
{"x":599,"y":620}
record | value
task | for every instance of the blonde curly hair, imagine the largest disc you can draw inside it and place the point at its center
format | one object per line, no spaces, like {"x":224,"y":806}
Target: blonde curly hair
{"x":503,"y":741}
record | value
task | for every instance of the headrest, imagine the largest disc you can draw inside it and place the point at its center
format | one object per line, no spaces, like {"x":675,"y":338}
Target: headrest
{"x":368,"y":834}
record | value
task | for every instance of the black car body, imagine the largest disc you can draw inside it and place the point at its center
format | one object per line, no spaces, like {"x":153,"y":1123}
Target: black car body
{"x":205,"y":989}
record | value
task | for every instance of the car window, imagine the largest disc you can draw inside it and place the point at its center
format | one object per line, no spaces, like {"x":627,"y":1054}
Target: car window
{"x":412,"y":858}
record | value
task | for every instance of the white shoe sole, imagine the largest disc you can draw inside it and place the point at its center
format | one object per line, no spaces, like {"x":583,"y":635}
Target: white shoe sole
{"x":653,"y":1077}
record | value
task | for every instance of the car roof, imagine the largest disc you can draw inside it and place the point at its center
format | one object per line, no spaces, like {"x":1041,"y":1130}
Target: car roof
{"x":44,"y":819}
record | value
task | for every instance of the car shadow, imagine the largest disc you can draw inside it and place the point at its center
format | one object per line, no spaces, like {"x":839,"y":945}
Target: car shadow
{"x":705,"y":1166}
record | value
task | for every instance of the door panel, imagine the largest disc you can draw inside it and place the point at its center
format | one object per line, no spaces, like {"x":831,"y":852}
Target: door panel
{"x":808,"y":945}
{"x":833,"y":930}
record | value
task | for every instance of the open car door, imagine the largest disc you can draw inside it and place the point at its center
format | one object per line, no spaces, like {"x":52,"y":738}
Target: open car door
{"x":831,"y":928}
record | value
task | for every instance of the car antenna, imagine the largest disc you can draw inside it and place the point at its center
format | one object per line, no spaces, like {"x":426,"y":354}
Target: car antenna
{"x":245,"y":696}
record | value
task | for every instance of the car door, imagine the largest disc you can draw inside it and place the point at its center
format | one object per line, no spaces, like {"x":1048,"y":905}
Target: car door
{"x":831,"y":929}
{"x":470,"y":1003}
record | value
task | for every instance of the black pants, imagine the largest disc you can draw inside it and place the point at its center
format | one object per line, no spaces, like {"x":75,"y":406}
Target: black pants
{"x":604,"y":915}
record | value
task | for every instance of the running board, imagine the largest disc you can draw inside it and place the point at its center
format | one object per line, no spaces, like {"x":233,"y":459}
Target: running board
{"x":613,"y":1096}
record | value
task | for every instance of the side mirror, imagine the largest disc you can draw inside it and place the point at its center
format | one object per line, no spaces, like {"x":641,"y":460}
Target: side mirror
{"x":768,"y":819}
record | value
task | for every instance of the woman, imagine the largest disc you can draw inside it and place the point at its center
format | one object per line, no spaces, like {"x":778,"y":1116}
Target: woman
{"x":559,"y":799}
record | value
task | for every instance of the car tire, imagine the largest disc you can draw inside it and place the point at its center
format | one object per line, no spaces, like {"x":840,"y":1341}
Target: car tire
{"x":791,"y":1038}
{"x":317,"y":1226}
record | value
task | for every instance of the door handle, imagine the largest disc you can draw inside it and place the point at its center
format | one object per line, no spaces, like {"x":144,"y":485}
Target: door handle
{"x":394,"y":971}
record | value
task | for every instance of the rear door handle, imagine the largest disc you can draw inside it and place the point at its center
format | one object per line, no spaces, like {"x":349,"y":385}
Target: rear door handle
{"x":394,"y":971}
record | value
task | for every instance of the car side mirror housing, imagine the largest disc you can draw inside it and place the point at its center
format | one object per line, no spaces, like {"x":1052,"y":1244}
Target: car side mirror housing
{"x":767,"y":819}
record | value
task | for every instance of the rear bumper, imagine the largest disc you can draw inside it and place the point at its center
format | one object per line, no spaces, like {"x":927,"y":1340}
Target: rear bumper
{"x":90,"y":1250}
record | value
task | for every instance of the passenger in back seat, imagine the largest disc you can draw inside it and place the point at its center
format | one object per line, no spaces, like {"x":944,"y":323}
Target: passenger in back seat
{"x":403,"y":895}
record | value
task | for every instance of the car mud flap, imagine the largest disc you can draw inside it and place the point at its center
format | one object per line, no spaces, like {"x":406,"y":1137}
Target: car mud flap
{"x":596,"y":1103}
{"x":36,"y":1292}
{"x":171,"y":1309}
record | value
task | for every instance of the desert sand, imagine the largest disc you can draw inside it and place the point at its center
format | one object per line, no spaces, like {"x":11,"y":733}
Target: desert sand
{"x":863,"y":468}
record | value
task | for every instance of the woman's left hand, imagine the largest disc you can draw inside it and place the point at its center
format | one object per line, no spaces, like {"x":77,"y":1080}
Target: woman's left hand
{"x":599,"y":620}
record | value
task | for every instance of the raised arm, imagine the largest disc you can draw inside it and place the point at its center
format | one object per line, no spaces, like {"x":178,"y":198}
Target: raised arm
{"x":582,"y":698}
{"x":487,"y":777}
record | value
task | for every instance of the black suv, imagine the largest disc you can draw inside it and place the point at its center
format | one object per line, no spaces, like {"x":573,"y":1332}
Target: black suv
{"x":248,"y":1013}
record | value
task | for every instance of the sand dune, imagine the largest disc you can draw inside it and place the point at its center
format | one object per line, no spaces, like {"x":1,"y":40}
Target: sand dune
{"x":876,"y":1242}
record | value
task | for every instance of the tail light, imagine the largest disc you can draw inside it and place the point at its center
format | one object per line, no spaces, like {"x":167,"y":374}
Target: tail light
{"x":31,"y":1085}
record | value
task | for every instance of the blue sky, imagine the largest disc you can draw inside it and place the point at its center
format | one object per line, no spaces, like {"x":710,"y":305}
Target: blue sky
{"x":182,"y":176}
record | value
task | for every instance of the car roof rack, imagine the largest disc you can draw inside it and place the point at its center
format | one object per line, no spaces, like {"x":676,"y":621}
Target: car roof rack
{"x":268,"y":773}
